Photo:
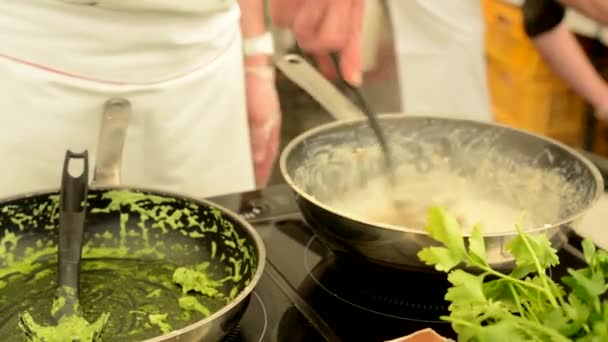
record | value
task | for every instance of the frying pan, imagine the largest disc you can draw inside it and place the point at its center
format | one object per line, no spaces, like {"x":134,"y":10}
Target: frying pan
{"x":334,"y":170}
{"x":135,"y":240}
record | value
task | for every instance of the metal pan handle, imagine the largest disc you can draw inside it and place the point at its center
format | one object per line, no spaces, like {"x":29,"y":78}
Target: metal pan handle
{"x":114,"y":124}
{"x":303,"y":74}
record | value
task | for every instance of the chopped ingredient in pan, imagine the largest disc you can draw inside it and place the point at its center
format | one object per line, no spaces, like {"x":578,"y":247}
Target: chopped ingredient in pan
{"x":160,"y":320}
{"x":154,"y":294}
{"x":74,"y":326}
{"x":197,"y":280}
{"x":125,"y":266}
{"x":190,"y":303}
{"x":69,"y":328}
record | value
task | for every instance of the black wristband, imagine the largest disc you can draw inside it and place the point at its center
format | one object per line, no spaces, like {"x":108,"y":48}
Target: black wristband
{"x":541,"y":16}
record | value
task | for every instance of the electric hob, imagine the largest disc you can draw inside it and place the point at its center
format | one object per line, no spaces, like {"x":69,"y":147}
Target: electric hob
{"x":308,"y":293}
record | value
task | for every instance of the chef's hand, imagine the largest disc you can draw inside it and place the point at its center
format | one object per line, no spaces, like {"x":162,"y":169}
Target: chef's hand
{"x":264,"y":114}
{"x":323,"y":26}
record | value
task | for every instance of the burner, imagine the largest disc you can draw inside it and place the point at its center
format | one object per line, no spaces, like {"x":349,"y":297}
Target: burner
{"x":400,"y":294}
{"x":363,"y":301}
{"x":253,"y":326}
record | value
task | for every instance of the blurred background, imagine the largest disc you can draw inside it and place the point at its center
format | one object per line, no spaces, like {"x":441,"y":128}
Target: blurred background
{"x":470,"y":58}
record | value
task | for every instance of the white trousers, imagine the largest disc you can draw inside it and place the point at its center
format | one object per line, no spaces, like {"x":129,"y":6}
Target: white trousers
{"x":181,"y":70}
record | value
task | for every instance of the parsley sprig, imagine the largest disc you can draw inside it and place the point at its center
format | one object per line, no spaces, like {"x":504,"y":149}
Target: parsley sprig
{"x":525,"y":304}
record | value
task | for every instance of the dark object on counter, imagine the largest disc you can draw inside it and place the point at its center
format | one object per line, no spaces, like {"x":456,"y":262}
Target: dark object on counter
{"x":147,"y":255}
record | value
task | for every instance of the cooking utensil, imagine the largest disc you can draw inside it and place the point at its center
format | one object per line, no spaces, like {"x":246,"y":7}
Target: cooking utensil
{"x":66,"y":305}
{"x":335,"y":162}
{"x":139,"y":244}
{"x":72,"y":211}
{"x":298,"y":70}
{"x":371,"y":116}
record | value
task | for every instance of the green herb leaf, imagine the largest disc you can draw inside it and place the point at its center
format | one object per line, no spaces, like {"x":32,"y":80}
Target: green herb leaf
{"x":588,"y":289}
{"x":477,"y":246}
{"x":503,"y":331}
{"x":444,"y":228}
{"x":540,"y":249}
{"x":468,"y":288}
{"x":521,"y":271}
{"x":526,"y":305}
{"x":442,"y":258}
{"x":588,"y":251}
{"x":575,"y":314}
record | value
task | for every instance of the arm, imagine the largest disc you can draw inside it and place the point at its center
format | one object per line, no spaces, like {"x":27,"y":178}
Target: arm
{"x":263,"y":108}
{"x":253,"y":24}
{"x":595,"y":9}
{"x":566,"y":57}
{"x":544,"y":24}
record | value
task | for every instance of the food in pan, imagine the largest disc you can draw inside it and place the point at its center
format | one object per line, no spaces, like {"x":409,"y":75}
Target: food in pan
{"x":141,"y":264}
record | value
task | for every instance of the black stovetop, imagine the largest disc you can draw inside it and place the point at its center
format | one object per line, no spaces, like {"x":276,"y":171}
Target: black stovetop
{"x":308,"y":293}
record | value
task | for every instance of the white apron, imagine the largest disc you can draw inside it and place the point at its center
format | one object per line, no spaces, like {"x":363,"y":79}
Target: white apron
{"x":179,"y":66}
{"x":440,"y":57}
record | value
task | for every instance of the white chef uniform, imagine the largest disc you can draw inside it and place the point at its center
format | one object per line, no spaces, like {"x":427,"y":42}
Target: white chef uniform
{"x":179,"y":63}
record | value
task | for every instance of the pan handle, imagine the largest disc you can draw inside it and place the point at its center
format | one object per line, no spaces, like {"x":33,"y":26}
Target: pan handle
{"x":72,"y":202}
{"x":114,"y":124}
{"x":303,"y":74}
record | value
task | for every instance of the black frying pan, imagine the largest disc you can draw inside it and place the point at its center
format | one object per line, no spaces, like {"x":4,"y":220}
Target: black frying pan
{"x":134,"y":242}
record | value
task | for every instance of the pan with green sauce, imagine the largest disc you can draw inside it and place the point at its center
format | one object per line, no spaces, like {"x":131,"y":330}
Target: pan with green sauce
{"x":154,"y":263}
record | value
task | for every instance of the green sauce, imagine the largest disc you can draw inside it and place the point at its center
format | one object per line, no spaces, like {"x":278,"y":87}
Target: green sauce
{"x":197,"y":280}
{"x":160,"y":320}
{"x":190,"y":303}
{"x":133,"y":265}
{"x":69,"y":328}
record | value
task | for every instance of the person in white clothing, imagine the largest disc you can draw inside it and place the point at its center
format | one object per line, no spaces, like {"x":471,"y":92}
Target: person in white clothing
{"x":440,"y":56}
{"x":205,"y":118}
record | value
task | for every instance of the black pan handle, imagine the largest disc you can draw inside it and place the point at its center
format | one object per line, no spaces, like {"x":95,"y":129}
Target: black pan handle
{"x":72,"y":202}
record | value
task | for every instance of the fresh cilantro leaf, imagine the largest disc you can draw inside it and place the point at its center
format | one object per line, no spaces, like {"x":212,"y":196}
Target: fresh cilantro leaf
{"x":575,"y":309}
{"x":600,"y":261}
{"x":477,"y":247}
{"x":574,"y":315}
{"x":599,"y":328}
{"x":503,"y":291}
{"x":555,"y":319}
{"x":588,"y":289}
{"x":442,"y":258}
{"x":523,"y":270}
{"x":444,"y":228}
{"x":588,"y":251}
{"x":539,"y":248}
{"x":468,"y":288}
{"x":503,"y":331}
{"x":525,"y":305}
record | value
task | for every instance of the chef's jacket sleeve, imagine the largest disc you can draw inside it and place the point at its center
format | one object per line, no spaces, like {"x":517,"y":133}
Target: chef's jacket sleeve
{"x":541,"y":16}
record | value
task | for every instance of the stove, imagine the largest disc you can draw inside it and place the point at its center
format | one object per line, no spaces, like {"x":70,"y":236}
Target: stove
{"x":308,"y":293}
